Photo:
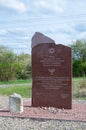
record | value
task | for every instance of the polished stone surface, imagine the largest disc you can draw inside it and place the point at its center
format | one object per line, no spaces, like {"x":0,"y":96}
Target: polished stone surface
{"x":51,"y":74}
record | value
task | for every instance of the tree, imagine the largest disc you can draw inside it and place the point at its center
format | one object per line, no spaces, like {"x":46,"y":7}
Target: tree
{"x":79,"y":57}
{"x":13,"y":66}
{"x":78,"y":69}
{"x":25,"y":61}
{"x":8,"y":64}
{"x":79,"y":50}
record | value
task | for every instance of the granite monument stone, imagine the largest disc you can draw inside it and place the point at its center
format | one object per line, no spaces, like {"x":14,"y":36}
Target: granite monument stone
{"x":51,"y":73}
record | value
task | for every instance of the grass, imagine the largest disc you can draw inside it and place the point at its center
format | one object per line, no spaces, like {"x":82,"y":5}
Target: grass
{"x":16,"y":81}
{"x":78,"y":88}
{"x":24,"y":91}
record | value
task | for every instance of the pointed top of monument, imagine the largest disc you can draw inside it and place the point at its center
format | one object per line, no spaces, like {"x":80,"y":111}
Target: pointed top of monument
{"x":39,"y":38}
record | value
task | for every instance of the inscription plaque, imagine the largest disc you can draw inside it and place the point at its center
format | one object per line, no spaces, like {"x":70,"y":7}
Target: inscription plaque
{"x":51,"y":74}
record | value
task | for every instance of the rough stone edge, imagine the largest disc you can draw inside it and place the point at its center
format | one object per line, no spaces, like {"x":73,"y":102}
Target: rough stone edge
{"x":39,"y":38}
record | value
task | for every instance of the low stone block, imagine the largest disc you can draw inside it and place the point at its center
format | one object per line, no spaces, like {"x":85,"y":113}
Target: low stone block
{"x":16,"y":103}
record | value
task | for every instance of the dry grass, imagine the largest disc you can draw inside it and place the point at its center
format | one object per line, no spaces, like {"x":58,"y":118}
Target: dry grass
{"x":79,"y":88}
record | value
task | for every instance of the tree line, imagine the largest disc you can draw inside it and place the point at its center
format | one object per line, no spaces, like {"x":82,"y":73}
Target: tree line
{"x":13,"y":66}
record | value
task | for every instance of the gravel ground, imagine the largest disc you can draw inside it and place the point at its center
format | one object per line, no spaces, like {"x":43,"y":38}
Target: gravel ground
{"x":27,"y":124}
{"x":7,"y":123}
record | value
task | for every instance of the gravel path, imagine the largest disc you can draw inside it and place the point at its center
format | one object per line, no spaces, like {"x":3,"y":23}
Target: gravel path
{"x":12,"y":85}
{"x":7,"y":123}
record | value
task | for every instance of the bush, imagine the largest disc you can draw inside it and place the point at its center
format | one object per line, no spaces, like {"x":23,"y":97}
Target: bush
{"x":78,"y":70}
{"x":13,"y":66}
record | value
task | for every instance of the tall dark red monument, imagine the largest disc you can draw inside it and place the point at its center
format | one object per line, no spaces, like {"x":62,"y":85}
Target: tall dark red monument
{"x":51,"y":73}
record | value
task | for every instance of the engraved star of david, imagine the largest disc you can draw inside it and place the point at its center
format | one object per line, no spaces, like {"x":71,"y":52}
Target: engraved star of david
{"x":51,"y":50}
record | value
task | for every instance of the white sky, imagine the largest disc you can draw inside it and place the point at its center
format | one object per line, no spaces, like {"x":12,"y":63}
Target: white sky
{"x":62,"y":20}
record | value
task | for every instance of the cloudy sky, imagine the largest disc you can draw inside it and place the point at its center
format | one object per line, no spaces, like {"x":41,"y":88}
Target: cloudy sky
{"x":62,"y":20}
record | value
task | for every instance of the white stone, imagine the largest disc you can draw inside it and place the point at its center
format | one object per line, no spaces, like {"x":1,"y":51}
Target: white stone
{"x":39,"y":38}
{"x":16,"y":103}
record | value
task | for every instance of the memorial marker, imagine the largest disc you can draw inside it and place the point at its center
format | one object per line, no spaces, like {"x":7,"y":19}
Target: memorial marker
{"x":51,"y":73}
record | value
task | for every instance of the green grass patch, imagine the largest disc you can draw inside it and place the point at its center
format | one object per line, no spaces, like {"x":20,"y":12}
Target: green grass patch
{"x":24,"y":91}
{"x":16,"y":81}
{"x":79,"y":88}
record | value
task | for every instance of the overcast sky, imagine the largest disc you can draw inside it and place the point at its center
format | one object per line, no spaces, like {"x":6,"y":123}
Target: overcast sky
{"x":62,"y":20}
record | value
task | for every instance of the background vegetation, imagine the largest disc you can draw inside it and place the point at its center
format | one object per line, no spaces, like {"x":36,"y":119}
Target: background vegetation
{"x":13,"y":66}
{"x":79,"y":58}
{"x":16,"y":69}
